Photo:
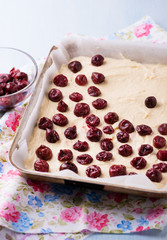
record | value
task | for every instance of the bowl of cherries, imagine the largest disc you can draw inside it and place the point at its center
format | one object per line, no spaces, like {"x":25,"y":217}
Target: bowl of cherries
{"x":18,"y":72}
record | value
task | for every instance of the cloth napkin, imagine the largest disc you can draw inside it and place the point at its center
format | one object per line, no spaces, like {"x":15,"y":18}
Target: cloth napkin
{"x":34,"y":210}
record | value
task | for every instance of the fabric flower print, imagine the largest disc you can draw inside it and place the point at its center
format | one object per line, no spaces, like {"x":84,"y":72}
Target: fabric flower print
{"x":34,"y":201}
{"x":50,"y":198}
{"x":97,"y":220}
{"x":38,"y":186}
{"x":155,"y":213}
{"x":142,"y":30}
{"x":71,"y":214}
{"x":142,"y":221}
{"x":13,"y":121}
{"x":9,"y":212}
{"x":23,"y":224}
{"x":11,"y":174}
{"x":141,"y":228}
{"x":1,"y":168}
{"x":125,"y":225}
{"x":93,"y":197}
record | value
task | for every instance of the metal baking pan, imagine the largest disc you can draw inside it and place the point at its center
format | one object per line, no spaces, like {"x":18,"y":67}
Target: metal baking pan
{"x":69,"y":48}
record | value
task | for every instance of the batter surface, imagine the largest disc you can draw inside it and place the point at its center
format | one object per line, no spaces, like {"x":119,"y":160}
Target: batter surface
{"x":127,"y":84}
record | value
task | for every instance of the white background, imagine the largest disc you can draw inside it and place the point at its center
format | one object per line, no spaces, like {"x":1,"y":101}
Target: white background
{"x":35,"y":25}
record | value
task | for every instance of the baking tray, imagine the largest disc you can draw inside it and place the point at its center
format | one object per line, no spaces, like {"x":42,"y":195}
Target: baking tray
{"x":69,"y":48}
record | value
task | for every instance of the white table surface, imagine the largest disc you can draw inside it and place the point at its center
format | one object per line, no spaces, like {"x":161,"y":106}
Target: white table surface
{"x":36,"y":25}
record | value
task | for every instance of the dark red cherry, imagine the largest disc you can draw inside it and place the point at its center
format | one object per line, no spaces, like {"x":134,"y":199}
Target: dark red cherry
{"x":20,"y":76}
{"x":81,"y":80}
{"x":108,"y":129}
{"x":22,"y":84}
{"x":65,"y":155}
{"x":126,"y":126}
{"x":111,"y":117}
{"x":125,"y":150}
{"x":45,"y":123}
{"x":60,"y":120}
{"x":104,"y":156}
{"x":159,"y":142}
{"x":11,"y":87}
{"x":106,"y":144}
{"x":94,"y":134}
{"x":62,"y":106}
{"x":150,"y":102}
{"x":81,"y":109}
{"x":163,"y":129}
{"x":44,"y":152}
{"x":117,"y":170}
{"x":41,"y":165}
{"x":75,"y":66}
{"x":97,"y":77}
{"x":60,"y":80}
{"x":161,"y":167}
{"x":143,"y":130}
{"x":81,"y":146}
{"x":68,"y":166}
{"x":4,"y":78}
{"x":162,"y":155}
{"x":84,"y":159}
{"x":71,"y":132}
{"x":76,"y":97}
{"x":92,"y":120}
{"x":97,"y":60}
{"x":99,"y":103}
{"x":93,"y":171}
{"x":52,"y":136}
{"x":138,"y":162}
{"x":123,"y":137}
{"x":94,"y":91}
{"x":154,"y":175}
{"x":55,"y":95}
{"x":145,"y":149}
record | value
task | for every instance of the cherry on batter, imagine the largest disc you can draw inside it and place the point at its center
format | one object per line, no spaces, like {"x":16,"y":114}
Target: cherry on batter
{"x":84,"y":159}
{"x":60,"y":80}
{"x":104,"y":156}
{"x":52,"y":136}
{"x":71,"y":133}
{"x":65,"y":155}
{"x":68,"y":166}
{"x":44,"y":152}
{"x":44,"y":123}
{"x":62,"y":106}
{"x":41,"y":165}
{"x":154,"y":175}
{"x":94,"y":91}
{"x":97,"y":60}
{"x":138,"y":162}
{"x":55,"y":95}
{"x":92,"y":120}
{"x":94,"y":134}
{"x":81,"y":146}
{"x":117,"y":170}
{"x":111,"y":117}
{"x":99,"y":103}
{"x":75,"y":66}
{"x":93,"y":171}
{"x":81,"y":80}
{"x":60,"y":120}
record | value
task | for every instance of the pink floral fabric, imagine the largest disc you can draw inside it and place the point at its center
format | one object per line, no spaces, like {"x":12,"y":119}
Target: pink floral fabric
{"x":142,"y":30}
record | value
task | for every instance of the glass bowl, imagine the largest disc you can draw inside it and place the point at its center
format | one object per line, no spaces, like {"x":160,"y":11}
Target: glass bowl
{"x":14,"y":58}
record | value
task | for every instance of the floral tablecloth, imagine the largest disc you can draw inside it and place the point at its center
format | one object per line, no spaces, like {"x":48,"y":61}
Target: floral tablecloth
{"x":38,"y":210}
